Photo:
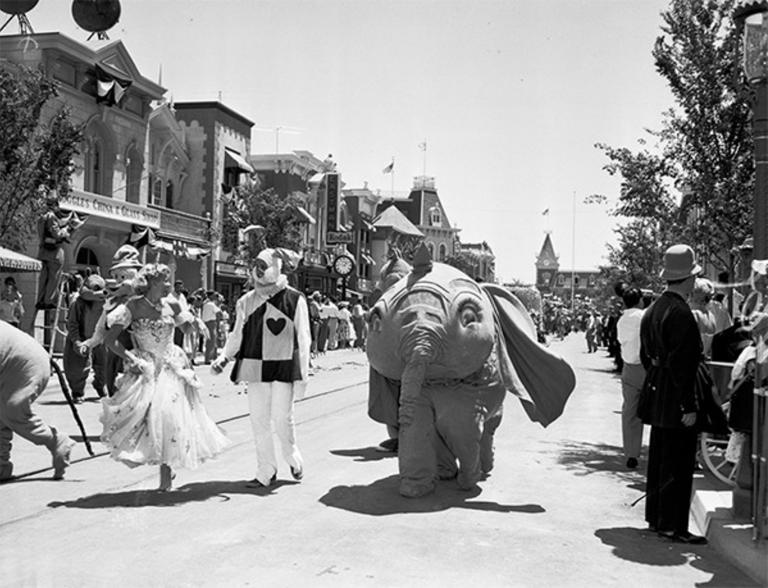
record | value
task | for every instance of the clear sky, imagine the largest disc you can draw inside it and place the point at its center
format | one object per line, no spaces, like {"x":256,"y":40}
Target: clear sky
{"x":510,"y":96}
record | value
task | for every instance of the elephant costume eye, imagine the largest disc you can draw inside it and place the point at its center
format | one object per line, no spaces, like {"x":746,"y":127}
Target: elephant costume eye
{"x":469,"y":313}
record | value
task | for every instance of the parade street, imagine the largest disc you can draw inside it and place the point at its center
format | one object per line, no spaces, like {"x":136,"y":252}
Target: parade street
{"x":556,"y":511}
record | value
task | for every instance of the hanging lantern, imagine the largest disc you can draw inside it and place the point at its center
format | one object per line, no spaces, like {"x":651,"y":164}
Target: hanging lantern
{"x":96,"y":16}
{"x":753,"y":15}
{"x":15,"y":7}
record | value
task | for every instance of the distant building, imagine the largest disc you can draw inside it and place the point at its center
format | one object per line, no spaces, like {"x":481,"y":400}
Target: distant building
{"x":481,"y":258}
{"x":425,"y":211}
{"x":552,"y":279}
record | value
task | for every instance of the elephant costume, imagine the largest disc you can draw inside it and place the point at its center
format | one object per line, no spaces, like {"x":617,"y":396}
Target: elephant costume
{"x":457,"y":347}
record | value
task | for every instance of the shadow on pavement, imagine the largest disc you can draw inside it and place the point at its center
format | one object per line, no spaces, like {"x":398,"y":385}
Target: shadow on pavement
{"x":382,"y":497}
{"x":364,"y":453}
{"x":194,"y":492}
{"x":584,"y":458}
{"x":645,"y":547}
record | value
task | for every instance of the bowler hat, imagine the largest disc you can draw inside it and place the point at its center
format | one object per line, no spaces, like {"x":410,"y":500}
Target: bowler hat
{"x":126,"y":256}
{"x":679,"y":263}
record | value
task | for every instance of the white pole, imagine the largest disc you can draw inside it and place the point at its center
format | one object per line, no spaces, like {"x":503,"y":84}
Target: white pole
{"x":392,"y":179}
{"x":573,"y":258}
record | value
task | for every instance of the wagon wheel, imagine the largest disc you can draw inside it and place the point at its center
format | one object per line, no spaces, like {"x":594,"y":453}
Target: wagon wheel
{"x":712,"y":455}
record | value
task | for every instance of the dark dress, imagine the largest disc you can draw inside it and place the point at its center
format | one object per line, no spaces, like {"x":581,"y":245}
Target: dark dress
{"x":670,"y":351}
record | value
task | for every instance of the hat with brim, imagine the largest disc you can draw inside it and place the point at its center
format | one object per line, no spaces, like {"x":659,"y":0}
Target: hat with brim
{"x":125,"y":257}
{"x":679,"y":264}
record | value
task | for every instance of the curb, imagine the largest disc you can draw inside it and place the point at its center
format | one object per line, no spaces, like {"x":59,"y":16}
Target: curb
{"x":712,"y":512}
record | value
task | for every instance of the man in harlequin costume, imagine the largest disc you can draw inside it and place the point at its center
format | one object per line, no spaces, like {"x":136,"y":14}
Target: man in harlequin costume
{"x":24,"y":372}
{"x":270,"y":343}
{"x":125,"y":266}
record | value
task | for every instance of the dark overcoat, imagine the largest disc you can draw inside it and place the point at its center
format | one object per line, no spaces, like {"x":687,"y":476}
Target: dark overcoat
{"x":670,"y":349}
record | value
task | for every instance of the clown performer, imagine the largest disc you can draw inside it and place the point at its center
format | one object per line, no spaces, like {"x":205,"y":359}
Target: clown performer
{"x":270,"y":343}
{"x":125,"y":266}
{"x":156,"y":416}
{"x":24,"y":372}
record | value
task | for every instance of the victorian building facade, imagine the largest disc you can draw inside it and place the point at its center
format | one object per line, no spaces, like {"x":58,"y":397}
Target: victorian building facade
{"x":551,"y":279}
{"x":136,"y":172}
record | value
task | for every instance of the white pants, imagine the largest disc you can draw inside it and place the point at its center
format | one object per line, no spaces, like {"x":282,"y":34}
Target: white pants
{"x":271,"y":403}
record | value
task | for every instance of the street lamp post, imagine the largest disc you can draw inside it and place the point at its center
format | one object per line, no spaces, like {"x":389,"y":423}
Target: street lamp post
{"x":753,"y":15}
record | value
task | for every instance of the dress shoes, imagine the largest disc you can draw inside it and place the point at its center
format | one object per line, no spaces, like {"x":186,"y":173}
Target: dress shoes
{"x":255,"y":483}
{"x":632,"y":463}
{"x":686,"y":537}
{"x":297,"y":473}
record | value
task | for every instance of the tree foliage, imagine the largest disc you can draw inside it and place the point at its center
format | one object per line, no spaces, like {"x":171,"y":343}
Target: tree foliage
{"x":33,"y":153}
{"x":708,"y":134}
{"x":276,"y":215}
{"x":461,"y":263}
{"x":703,"y":150}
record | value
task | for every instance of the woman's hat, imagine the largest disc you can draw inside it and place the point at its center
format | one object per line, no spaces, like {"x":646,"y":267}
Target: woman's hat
{"x":126,"y":256}
{"x":679,"y":263}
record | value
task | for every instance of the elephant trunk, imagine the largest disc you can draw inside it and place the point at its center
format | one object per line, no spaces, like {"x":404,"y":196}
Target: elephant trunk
{"x":416,"y":434}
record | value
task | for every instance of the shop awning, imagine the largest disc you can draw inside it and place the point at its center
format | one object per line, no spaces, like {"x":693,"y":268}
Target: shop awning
{"x":232,"y":159}
{"x":181,"y":249}
{"x":18,"y":262}
{"x":316,"y":179}
{"x":305,"y":215}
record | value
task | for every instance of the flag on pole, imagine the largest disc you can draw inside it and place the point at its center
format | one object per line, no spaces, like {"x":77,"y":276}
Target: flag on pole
{"x":423,"y":146}
{"x":545,"y":213}
{"x":389,"y":168}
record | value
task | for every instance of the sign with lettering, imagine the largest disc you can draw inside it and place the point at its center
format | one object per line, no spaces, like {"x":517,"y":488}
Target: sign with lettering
{"x":332,"y":199}
{"x":338,"y":237}
{"x":105,"y":207}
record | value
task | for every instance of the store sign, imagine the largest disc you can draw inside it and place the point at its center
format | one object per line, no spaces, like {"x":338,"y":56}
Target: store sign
{"x":332,"y":198}
{"x":231,"y":269}
{"x":105,"y":207}
{"x":338,"y":237}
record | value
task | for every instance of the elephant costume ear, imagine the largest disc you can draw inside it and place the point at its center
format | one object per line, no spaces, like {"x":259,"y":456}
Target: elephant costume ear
{"x":541,"y":380}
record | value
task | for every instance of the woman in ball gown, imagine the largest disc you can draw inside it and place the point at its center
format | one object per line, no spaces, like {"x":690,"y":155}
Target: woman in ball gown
{"x":156,"y":416}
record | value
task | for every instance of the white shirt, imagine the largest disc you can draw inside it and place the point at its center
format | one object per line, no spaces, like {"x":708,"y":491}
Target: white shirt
{"x":628,"y":334}
{"x":209,"y":311}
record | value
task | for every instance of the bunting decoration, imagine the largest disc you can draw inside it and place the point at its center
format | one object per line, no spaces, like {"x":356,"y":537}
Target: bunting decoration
{"x":141,"y":236}
{"x":109,"y":89}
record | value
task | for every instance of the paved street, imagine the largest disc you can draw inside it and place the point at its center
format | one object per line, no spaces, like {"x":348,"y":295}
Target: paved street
{"x":557,"y":510}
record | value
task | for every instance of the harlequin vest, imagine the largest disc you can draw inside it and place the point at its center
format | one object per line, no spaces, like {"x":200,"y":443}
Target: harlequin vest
{"x":269,"y":348}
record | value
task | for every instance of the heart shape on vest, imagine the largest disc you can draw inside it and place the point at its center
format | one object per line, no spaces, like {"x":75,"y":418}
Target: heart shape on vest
{"x":275,"y":325}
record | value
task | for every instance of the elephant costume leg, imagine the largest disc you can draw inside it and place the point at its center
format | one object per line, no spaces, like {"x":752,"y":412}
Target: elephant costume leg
{"x":467,"y":418}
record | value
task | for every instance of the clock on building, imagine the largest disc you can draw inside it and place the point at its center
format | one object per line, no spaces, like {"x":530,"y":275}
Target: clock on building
{"x":343,"y":265}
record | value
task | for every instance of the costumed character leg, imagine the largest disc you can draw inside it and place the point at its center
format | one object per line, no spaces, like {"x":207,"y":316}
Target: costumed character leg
{"x":98,"y":359}
{"x":16,"y":414}
{"x":459,"y":421}
{"x":282,"y":417}
{"x":260,"y":407}
{"x":76,"y":368}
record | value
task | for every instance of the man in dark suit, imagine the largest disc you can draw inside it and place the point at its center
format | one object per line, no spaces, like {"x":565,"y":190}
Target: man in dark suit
{"x":670,"y":352}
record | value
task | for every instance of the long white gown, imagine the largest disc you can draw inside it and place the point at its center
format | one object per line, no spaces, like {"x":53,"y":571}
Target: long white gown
{"x":158,"y":417}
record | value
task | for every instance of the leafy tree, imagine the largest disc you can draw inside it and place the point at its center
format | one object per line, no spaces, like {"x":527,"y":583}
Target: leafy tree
{"x":708,"y":134}
{"x":645,"y":199}
{"x":33,"y":153}
{"x":275,"y":215}
{"x":704,"y":148}
{"x":461,"y":263}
